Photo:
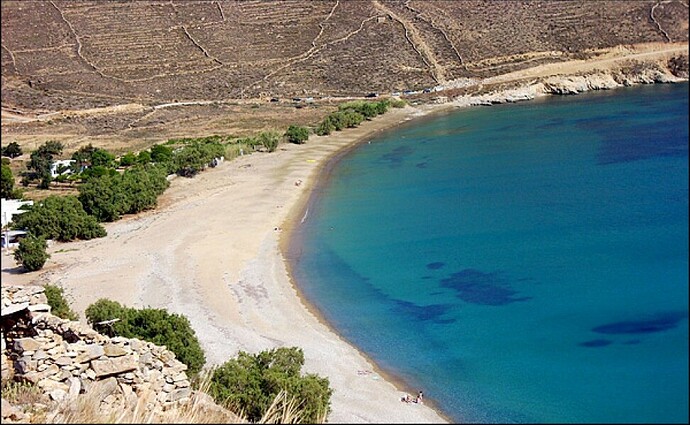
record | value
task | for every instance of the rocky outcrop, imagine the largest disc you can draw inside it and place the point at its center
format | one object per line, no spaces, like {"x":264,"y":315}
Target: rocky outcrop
{"x":66,"y":359}
{"x":631,"y":74}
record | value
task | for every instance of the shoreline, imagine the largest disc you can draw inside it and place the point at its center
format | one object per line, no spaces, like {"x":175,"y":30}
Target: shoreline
{"x":235,"y":285}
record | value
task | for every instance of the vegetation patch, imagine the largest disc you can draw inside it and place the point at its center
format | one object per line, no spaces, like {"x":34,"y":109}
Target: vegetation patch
{"x":150,"y":324}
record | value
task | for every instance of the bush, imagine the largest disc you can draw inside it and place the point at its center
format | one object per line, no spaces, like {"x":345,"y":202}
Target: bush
{"x":269,"y":140}
{"x":12,"y":150}
{"x":128,"y":159}
{"x":297,"y":134}
{"x":161,"y":153}
{"x":153,"y":325}
{"x":59,"y":217}
{"x":31,"y":253}
{"x":58,"y":304}
{"x":249,"y":384}
{"x":325,"y":128}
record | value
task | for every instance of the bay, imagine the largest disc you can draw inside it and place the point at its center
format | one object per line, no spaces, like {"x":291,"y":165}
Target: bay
{"x":518,"y":263}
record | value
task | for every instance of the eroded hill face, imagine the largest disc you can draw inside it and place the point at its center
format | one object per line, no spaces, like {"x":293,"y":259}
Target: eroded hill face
{"x":59,"y":55}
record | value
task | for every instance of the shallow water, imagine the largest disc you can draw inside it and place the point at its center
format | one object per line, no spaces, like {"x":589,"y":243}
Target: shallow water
{"x":520,"y":263}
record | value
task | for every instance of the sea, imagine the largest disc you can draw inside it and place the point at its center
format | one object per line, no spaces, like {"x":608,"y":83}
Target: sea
{"x":518,"y":263}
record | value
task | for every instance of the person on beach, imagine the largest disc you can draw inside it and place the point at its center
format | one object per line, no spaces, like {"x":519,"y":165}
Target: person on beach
{"x":407,"y":398}
{"x":420,"y":397}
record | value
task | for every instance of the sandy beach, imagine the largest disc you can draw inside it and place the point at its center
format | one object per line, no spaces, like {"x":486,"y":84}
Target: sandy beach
{"x":210,"y":251}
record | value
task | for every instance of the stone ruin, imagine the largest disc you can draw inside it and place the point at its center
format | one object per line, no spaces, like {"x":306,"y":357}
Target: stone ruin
{"x":66,"y":358}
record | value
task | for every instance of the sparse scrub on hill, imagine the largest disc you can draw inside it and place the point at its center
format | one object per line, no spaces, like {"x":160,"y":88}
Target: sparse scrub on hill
{"x":137,"y":189}
{"x":250,"y":383}
{"x":58,"y":217}
{"x":398,"y":103}
{"x":58,"y":304}
{"x":297,"y":134}
{"x":31,"y":253}
{"x":150,"y":324}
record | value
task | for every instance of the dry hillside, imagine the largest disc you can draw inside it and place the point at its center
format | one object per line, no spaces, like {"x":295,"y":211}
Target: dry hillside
{"x":73,"y":55}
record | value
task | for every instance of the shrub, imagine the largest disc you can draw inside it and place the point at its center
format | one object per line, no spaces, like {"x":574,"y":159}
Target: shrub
{"x":325,"y":128}
{"x":31,"y":253}
{"x":59,"y":217}
{"x":161,"y":153}
{"x":12,"y":150}
{"x":269,"y":140}
{"x":144,"y":157}
{"x":128,"y":159}
{"x":297,"y":134}
{"x":250,"y":383}
{"x":153,"y":325}
{"x":58,"y":304}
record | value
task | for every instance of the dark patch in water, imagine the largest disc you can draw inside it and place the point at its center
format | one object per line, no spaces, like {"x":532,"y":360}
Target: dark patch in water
{"x":435,"y":265}
{"x":632,"y":342}
{"x":421,"y":165}
{"x":596,"y":343}
{"x":662,"y":322}
{"x":397,"y":156}
{"x":476,"y":287}
{"x":423,"y":313}
{"x":427,"y":277}
{"x":623,"y":142}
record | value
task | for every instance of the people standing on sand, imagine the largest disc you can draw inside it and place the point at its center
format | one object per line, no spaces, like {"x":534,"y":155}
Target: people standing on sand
{"x":420,"y":397}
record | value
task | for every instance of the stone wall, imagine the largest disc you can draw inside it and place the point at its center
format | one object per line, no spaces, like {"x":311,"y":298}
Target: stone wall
{"x":66,"y":358}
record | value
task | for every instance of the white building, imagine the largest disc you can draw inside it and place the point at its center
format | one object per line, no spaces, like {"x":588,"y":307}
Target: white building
{"x":61,"y":163}
{"x":10,"y":208}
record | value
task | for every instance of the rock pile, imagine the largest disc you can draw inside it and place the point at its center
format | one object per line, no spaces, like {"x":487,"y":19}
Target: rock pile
{"x":66,"y":358}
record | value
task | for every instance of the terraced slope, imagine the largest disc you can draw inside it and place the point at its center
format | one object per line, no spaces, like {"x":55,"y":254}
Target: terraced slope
{"x":60,"y":55}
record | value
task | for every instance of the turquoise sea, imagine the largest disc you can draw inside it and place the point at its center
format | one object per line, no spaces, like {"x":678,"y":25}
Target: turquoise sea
{"x":519,"y":263}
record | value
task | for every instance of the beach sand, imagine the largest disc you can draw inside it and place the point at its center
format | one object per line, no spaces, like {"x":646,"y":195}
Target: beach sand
{"x":210,"y":251}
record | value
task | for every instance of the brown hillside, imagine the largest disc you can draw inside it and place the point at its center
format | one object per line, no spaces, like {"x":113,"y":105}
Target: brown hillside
{"x":104,"y":72}
{"x":81,"y":54}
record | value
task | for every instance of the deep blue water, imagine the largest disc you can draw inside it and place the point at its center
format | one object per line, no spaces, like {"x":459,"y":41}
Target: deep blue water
{"x":519,"y":263}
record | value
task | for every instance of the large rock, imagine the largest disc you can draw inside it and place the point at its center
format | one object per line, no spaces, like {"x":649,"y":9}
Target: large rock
{"x":26,"y":344}
{"x":92,"y":351}
{"x":113,"y":366}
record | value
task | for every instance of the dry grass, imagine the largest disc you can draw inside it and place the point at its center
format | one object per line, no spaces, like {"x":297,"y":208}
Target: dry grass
{"x":87,"y":408}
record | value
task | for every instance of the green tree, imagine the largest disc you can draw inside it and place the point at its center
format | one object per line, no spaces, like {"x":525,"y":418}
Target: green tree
{"x":58,"y":304}
{"x":59,"y":217}
{"x":153,"y":325}
{"x":31,"y":253}
{"x":6,"y":180}
{"x":249,"y":383}
{"x":41,"y":161}
{"x":108,"y":197}
{"x":12,"y":150}
{"x":297,"y":134}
